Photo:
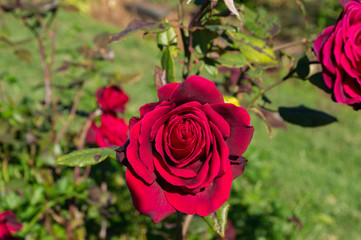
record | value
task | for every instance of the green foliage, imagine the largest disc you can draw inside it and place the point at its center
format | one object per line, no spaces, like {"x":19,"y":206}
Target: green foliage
{"x":254,"y":49}
{"x":303,"y":67}
{"x":305,"y":117}
{"x":87,"y":157}
{"x":218,"y":220}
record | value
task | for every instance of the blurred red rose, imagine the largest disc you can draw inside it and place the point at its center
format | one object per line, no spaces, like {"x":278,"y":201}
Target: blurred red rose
{"x":112,"y":131}
{"x":112,"y":99}
{"x":8,"y":225}
{"x":338,"y":49}
{"x":185,"y":150}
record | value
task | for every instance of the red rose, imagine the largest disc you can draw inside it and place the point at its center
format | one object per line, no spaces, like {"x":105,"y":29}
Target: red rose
{"x":112,"y":131}
{"x":112,"y":99}
{"x":338,"y":49}
{"x":185,"y":150}
{"x":8,"y":225}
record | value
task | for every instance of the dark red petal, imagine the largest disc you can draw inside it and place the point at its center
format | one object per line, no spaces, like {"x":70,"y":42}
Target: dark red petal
{"x":320,"y":41}
{"x":147,"y":108}
{"x":133,"y":157}
{"x":189,"y":183}
{"x":10,"y":221}
{"x":239,"y":120}
{"x":149,"y":200}
{"x":205,"y":202}
{"x":196,"y":88}
{"x":217,"y":120}
{"x":144,"y":139}
{"x":181,"y":172}
{"x":239,"y":140}
{"x":238,"y":164}
{"x":166,"y":91}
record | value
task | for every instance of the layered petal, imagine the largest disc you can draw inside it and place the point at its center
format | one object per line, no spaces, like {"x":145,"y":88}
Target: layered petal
{"x":240,"y":132}
{"x":149,"y":199}
{"x":196,"y":88}
{"x":205,"y":202}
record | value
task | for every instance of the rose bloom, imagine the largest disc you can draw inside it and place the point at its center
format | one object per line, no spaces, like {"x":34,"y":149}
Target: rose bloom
{"x":112,"y":131}
{"x":185,"y":150}
{"x":8,"y":225}
{"x":338,"y":49}
{"x":112,"y":99}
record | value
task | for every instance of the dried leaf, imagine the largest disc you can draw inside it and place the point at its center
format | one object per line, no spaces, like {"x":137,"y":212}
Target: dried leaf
{"x":274,"y":119}
{"x":230,"y":5}
{"x":160,"y":77}
{"x":260,"y":114}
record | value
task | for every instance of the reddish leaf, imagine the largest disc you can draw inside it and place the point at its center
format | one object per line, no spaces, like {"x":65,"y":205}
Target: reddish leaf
{"x":274,"y":119}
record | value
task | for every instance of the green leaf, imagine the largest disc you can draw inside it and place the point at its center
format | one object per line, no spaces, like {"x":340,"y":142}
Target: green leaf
{"x":86,"y":157}
{"x":202,"y":40}
{"x":303,"y":67}
{"x":305,"y":117}
{"x":317,"y":80}
{"x":212,"y":70}
{"x":218,"y":220}
{"x":260,"y":23}
{"x":168,"y":64}
{"x":233,"y":60}
{"x":167,"y":38}
{"x":216,"y":28}
{"x":254,"y":49}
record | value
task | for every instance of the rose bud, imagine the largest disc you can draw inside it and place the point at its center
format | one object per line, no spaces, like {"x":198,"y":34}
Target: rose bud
{"x":112,"y":99}
{"x":8,"y":225}
{"x":112,"y":131}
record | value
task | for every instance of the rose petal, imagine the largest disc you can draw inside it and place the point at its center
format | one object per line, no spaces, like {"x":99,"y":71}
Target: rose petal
{"x":238,"y":164}
{"x":239,"y":120}
{"x":166,"y":91}
{"x":344,"y":2}
{"x":196,"y":88}
{"x":180,"y":172}
{"x":320,"y":41}
{"x":217,"y":120}
{"x":144,"y":139}
{"x":9,"y":221}
{"x":133,"y":157}
{"x":149,"y":200}
{"x":205,"y":202}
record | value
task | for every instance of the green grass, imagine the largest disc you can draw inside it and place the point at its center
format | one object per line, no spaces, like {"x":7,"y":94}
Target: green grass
{"x":314,"y":172}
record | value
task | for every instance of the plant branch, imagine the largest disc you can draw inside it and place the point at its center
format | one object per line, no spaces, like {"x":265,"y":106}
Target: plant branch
{"x":71,"y":117}
{"x":186,"y":224}
{"x":46,"y":70}
{"x":194,"y":21}
{"x":179,"y":235}
{"x":69,"y":228}
{"x":292,"y":44}
{"x":266,"y":89}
